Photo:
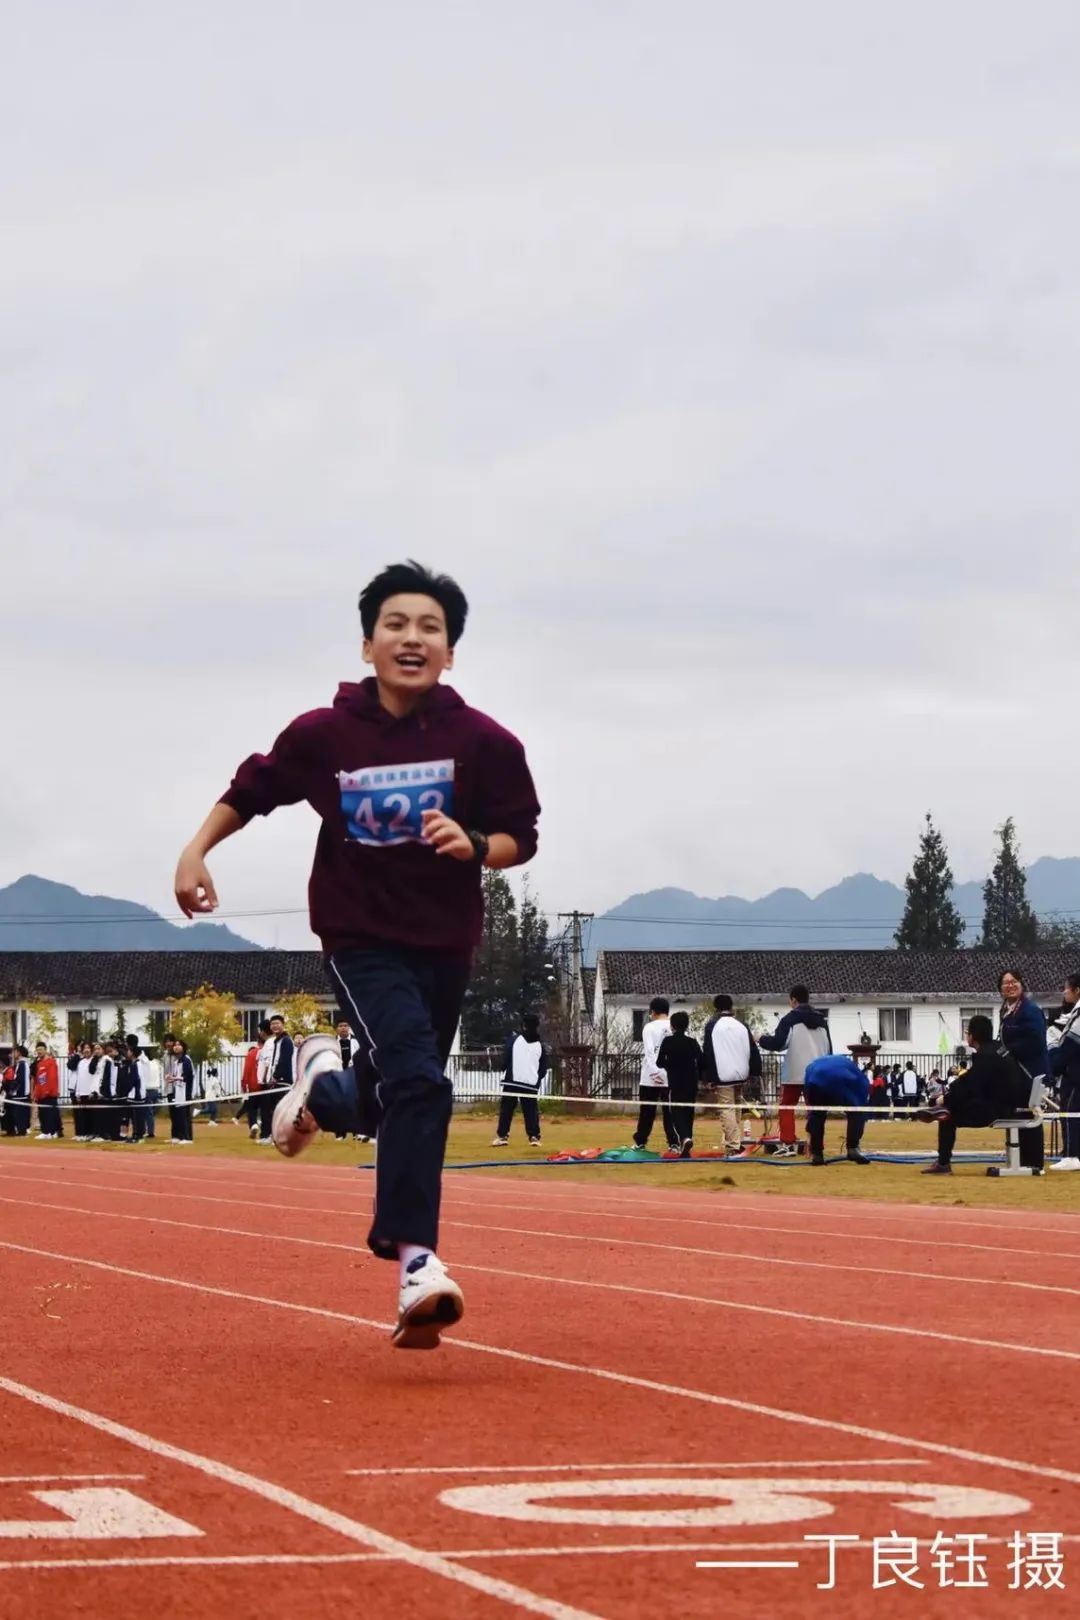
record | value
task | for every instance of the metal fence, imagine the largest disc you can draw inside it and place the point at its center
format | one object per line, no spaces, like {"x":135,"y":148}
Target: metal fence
{"x":604,"y":1075}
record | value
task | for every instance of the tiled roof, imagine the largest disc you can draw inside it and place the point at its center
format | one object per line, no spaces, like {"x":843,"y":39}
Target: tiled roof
{"x":149,"y":976}
{"x":830,"y":974}
{"x":588,"y":989}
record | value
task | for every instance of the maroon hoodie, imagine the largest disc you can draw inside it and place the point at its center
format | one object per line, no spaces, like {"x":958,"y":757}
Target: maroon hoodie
{"x":370,"y":777}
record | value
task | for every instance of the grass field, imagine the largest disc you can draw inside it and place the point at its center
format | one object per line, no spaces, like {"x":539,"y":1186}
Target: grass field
{"x":472,"y":1130}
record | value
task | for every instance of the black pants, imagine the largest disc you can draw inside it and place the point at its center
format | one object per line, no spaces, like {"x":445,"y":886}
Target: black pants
{"x":1070,"y":1128}
{"x":650,"y":1097}
{"x":683,"y":1099}
{"x":530,"y":1113}
{"x":180,"y":1113}
{"x":403,"y":1006}
{"x":16,"y":1116}
{"x":1032,"y":1142}
{"x":49,"y":1117}
{"x":266,"y":1101}
{"x":816,"y":1119}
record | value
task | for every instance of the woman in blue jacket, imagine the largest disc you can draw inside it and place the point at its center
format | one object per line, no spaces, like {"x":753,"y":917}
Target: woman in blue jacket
{"x":1023,"y":1035}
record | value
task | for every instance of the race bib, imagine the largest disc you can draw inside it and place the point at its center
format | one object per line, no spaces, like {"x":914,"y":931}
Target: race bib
{"x":383,"y":804}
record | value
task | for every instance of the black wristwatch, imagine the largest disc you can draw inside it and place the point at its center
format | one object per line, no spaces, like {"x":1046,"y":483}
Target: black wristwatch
{"x":481,"y":844}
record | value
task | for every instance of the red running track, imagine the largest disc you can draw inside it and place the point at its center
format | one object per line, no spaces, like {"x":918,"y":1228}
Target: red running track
{"x":202,"y":1412}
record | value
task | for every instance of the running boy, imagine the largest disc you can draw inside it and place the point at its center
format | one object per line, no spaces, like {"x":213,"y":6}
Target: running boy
{"x":417,"y":793}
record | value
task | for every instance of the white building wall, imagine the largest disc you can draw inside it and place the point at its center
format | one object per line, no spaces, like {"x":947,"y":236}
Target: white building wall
{"x":847,"y":1021}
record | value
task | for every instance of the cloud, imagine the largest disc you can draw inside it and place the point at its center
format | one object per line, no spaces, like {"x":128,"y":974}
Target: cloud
{"x":732,"y":368}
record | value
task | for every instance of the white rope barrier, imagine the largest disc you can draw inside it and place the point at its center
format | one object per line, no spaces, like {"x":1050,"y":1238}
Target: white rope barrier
{"x":902,"y":1114}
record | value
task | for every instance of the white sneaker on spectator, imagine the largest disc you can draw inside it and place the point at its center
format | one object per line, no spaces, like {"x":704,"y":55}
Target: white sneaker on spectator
{"x":1065,"y":1164}
{"x":294,"y":1128}
{"x":430,"y":1302}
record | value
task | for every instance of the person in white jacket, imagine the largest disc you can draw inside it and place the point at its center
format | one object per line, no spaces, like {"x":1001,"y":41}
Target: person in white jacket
{"x":653,"y":1088}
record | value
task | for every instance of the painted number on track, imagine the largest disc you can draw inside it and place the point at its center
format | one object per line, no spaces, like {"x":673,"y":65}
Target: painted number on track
{"x":720,"y":1502}
{"x":96,"y":1515}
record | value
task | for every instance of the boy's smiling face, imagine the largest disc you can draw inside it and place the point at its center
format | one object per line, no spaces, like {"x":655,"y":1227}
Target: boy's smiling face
{"x":409,"y":649}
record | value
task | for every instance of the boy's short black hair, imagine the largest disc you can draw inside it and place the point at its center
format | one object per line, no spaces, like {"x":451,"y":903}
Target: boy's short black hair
{"x":723,"y":1003}
{"x":981,"y":1029}
{"x":799,"y":994}
{"x":1073,"y":981}
{"x":413,"y":579}
{"x":530,"y":1026}
{"x":264,"y":1026}
{"x":680,"y":1022}
{"x":659,"y":1004}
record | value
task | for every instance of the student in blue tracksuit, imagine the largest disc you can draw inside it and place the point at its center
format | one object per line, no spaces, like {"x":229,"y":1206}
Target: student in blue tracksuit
{"x":1023,"y":1034}
{"x":184,"y":1094}
{"x":835,"y":1082}
{"x":1065,"y":1064}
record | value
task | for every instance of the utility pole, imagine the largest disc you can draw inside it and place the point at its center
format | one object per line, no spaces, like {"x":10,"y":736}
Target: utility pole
{"x":575,"y":919}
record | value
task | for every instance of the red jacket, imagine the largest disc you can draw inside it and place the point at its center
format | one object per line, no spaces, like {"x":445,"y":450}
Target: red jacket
{"x":249,"y":1079}
{"x":46,"y":1082}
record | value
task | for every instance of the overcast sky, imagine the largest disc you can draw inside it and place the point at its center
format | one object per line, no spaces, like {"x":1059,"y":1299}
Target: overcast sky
{"x":727,"y":354}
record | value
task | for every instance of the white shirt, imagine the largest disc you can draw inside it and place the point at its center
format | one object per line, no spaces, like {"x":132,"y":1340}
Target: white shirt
{"x":525,"y":1063}
{"x":731,"y":1049}
{"x":85,"y":1082}
{"x":652,"y":1035}
{"x":910,"y":1082}
{"x":264,"y":1063}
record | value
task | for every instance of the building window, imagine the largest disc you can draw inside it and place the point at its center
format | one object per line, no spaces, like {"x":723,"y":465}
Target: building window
{"x":639,"y":1016}
{"x":158,"y":1020}
{"x":83,"y":1026}
{"x":968,"y":1013}
{"x":251,"y":1018}
{"x":894,"y":1024}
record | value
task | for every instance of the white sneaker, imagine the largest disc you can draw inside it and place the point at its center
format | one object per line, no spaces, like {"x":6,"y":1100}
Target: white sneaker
{"x":294,"y":1128}
{"x":429,"y":1303}
{"x":500,"y":1141}
{"x":253,"y":1131}
{"x":1065,"y":1164}
{"x":786,"y":1150}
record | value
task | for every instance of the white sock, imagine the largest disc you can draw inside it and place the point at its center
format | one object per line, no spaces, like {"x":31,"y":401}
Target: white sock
{"x":408,"y":1252}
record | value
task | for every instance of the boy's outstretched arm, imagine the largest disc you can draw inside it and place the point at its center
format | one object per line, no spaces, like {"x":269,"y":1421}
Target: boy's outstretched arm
{"x":193,"y":884}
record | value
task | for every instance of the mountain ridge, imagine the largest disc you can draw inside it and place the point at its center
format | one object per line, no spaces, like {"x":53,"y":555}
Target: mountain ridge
{"x":37,"y":914}
{"x":861,"y":911}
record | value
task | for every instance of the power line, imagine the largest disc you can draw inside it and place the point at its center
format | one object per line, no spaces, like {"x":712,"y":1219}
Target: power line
{"x":24,"y":920}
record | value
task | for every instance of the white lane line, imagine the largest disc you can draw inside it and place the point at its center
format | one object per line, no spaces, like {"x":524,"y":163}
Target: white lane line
{"x":1007,"y":1345}
{"x":858,"y":1324}
{"x":303,"y":1507}
{"x":618,"y":1468}
{"x":569,"y":1237}
{"x":590,"y":1550}
{"x":584,"y":1370}
{"x":43,"y":1479}
{"x":362,"y":1211}
{"x":859,"y":1211}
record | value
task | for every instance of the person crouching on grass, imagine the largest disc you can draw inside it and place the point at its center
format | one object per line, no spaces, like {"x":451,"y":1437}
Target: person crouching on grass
{"x":835,"y":1081}
{"x":417,"y":793}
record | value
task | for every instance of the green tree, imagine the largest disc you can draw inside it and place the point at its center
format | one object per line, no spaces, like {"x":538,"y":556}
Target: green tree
{"x":931,"y":921}
{"x":43,"y":1023}
{"x":1060,"y":933}
{"x":535,"y":969}
{"x":208,"y":1020}
{"x":1008,"y":920}
{"x":491,"y":1002}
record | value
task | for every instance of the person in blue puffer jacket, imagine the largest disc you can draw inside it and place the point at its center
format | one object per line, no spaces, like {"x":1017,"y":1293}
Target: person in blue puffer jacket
{"x":835,"y":1082}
